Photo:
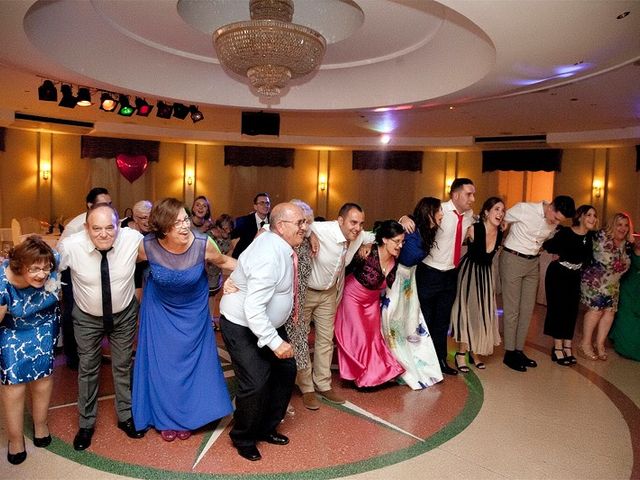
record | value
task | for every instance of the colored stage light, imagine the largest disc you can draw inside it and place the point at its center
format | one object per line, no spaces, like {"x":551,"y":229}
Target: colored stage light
{"x":126,"y":110}
{"x":143,"y":108}
{"x":164,"y":110}
{"x":180,"y":111}
{"x":107,"y":102}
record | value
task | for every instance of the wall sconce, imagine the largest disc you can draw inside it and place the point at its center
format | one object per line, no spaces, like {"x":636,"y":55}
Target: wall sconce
{"x":597,"y":188}
{"x":189,"y":180}
{"x":322,"y":183}
{"x":448,"y":184}
{"x":45,"y":174}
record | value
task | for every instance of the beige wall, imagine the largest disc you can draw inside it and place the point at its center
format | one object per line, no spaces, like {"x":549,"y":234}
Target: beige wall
{"x":382,"y":193}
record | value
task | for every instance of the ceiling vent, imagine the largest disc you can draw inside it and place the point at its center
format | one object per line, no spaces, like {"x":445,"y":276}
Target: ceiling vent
{"x":509,"y":139}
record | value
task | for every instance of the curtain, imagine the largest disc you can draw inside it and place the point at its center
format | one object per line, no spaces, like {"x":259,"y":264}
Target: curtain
{"x":258,"y":156}
{"x":105,"y":147}
{"x":386,"y":159}
{"x":548,"y":159}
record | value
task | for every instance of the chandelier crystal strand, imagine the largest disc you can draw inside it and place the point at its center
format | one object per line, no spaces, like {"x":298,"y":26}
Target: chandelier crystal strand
{"x":269,"y":49}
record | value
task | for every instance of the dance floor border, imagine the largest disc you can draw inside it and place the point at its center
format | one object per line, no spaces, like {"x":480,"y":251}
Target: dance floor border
{"x":461,"y":421}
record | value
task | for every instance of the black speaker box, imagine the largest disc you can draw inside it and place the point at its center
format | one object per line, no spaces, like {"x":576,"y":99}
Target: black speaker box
{"x":260,"y":123}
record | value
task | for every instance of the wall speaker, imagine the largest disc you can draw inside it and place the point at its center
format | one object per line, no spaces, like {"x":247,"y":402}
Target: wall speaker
{"x":260,"y":123}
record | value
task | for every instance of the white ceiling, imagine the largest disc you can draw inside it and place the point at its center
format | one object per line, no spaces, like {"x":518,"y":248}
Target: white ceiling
{"x":442,"y":72}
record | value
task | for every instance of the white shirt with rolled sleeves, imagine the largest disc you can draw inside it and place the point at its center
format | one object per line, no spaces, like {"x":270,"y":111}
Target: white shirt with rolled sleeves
{"x":441,"y":255}
{"x":327,"y":266}
{"x":79,"y":254}
{"x":264,"y":277}
{"x":528,"y":228}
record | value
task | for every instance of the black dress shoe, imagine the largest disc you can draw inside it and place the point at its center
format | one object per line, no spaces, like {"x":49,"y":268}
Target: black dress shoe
{"x":275,"y":438}
{"x":130,"y":429}
{"x":513,"y":361}
{"x":446,"y":369}
{"x":42,"y":442}
{"x":250,"y":453}
{"x":82,"y":440}
{"x":16,"y":458}
{"x":526,"y":361}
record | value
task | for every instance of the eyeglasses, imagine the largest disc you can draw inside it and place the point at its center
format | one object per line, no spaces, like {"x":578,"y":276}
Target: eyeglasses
{"x":299,"y":223}
{"x":397,"y":242}
{"x":35,"y":270}
{"x":186,"y":221}
{"x":263,"y":202}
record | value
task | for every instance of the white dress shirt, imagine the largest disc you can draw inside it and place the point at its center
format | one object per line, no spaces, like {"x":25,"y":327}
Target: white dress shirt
{"x":75,"y":225}
{"x":264,"y":277}
{"x":441,"y":255}
{"x":528,"y":229}
{"x":260,"y":220}
{"x":327,"y":267}
{"x":80,"y":254}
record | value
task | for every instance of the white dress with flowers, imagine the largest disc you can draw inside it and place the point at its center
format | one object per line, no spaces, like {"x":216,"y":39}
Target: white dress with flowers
{"x":29,"y":329}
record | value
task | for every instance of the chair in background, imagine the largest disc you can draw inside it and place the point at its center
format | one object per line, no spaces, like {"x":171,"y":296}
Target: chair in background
{"x":16,"y":231}
{"x":30,"y":225}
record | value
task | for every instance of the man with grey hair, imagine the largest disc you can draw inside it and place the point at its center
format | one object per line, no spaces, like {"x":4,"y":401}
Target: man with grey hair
{"x":140,"y":220}
{"x":252,"y":325}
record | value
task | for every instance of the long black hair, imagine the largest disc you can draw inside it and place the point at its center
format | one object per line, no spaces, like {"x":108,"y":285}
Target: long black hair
{"x":424,"y":216}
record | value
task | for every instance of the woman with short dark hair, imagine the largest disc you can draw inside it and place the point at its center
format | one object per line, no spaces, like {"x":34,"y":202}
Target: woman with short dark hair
{"x":178,"y":383}
{"x":29,"y":318}
{"x":363,"y":355}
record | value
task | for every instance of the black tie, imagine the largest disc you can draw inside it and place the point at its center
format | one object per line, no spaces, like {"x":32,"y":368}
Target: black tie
{"x":107,"y":313}
{"x":261,"y":224}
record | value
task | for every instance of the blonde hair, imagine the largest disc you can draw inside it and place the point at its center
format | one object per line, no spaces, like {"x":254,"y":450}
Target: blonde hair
{"x":612,"y":223}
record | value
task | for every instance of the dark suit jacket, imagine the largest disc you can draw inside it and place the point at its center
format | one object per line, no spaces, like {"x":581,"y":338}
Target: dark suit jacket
{"x":245,"y":230}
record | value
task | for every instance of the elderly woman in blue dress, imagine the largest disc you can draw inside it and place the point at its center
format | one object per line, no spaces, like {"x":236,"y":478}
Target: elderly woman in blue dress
{"x":29,"y":318}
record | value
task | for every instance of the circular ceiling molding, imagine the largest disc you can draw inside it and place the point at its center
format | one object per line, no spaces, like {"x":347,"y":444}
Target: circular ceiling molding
{"x":164,"y":49}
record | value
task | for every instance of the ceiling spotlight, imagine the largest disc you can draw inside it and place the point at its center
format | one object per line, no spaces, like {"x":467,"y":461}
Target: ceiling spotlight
{"x":164,"y":110}
{"x":385,"y":139}
{"x":143,"y":108}
{"x":68,"y":100}
{"x":107,"y":102}
{"x":196,"y":114}
{"x":126,"y":110}
{"x":180,"y":111}
{"x":47,"y":92}
{"x":84,"y":97}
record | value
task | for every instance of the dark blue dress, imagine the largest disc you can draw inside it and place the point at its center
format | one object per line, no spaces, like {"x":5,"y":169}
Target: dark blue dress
{"x":29,"y":330}
{"x":178,"y":383}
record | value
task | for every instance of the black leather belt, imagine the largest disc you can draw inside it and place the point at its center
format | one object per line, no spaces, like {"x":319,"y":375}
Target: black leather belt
{"x":518,"y":254}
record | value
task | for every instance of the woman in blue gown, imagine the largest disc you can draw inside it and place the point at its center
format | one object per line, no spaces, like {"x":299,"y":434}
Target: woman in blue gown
{"x":29,"y":320}
{"x":178,"y":384}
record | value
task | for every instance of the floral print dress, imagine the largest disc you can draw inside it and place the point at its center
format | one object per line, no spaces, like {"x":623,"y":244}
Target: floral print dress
{"x":600,"y":287}
{"x":29,"y":330}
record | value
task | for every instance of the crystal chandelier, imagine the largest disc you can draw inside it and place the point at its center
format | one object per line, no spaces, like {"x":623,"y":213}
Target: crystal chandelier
{"x":269,"y":49}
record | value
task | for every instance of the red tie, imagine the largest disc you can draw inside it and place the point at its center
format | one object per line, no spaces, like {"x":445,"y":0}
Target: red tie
{"x":458,"y":245}
{"x":295,"y":287}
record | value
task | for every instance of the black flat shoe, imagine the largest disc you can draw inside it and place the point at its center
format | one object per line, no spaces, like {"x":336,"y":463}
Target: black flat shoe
{"x":570,"y":356}
{"x":130,"y":429}
{"x":250,"y":453}
{"x":275,"y":438}
{"x":526,"y":361}
{"x":513,"y":361}
{"x":82,"y":440}
{"x":461,"y":368}
{"x":446,"y":369}
{"x":16,"y":458}
{"x":564,"y":361}
{"x":40,"y":442}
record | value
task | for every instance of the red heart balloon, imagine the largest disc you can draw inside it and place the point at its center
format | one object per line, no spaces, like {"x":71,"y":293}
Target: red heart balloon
{"x":131,"y":166}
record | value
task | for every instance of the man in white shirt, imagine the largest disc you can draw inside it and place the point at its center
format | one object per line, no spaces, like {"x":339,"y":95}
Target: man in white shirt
{"x":339,"y":241}
{"x":530,"y":224}
{"x":252,"y":326}
{"x":437,"y":275}
{"x":94,"y":317}
{"x":75,"y":225}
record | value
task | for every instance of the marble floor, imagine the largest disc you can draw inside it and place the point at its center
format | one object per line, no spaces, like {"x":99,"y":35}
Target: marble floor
{"x":552,"y":422}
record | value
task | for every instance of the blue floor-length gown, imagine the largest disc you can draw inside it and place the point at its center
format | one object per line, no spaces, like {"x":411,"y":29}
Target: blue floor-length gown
{"x":178,"y":383}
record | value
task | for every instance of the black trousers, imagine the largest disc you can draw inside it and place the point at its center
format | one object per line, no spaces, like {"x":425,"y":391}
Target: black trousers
{"x":562,"y":287}
{"x":437,"y":293}
{"x":265,"y":383}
